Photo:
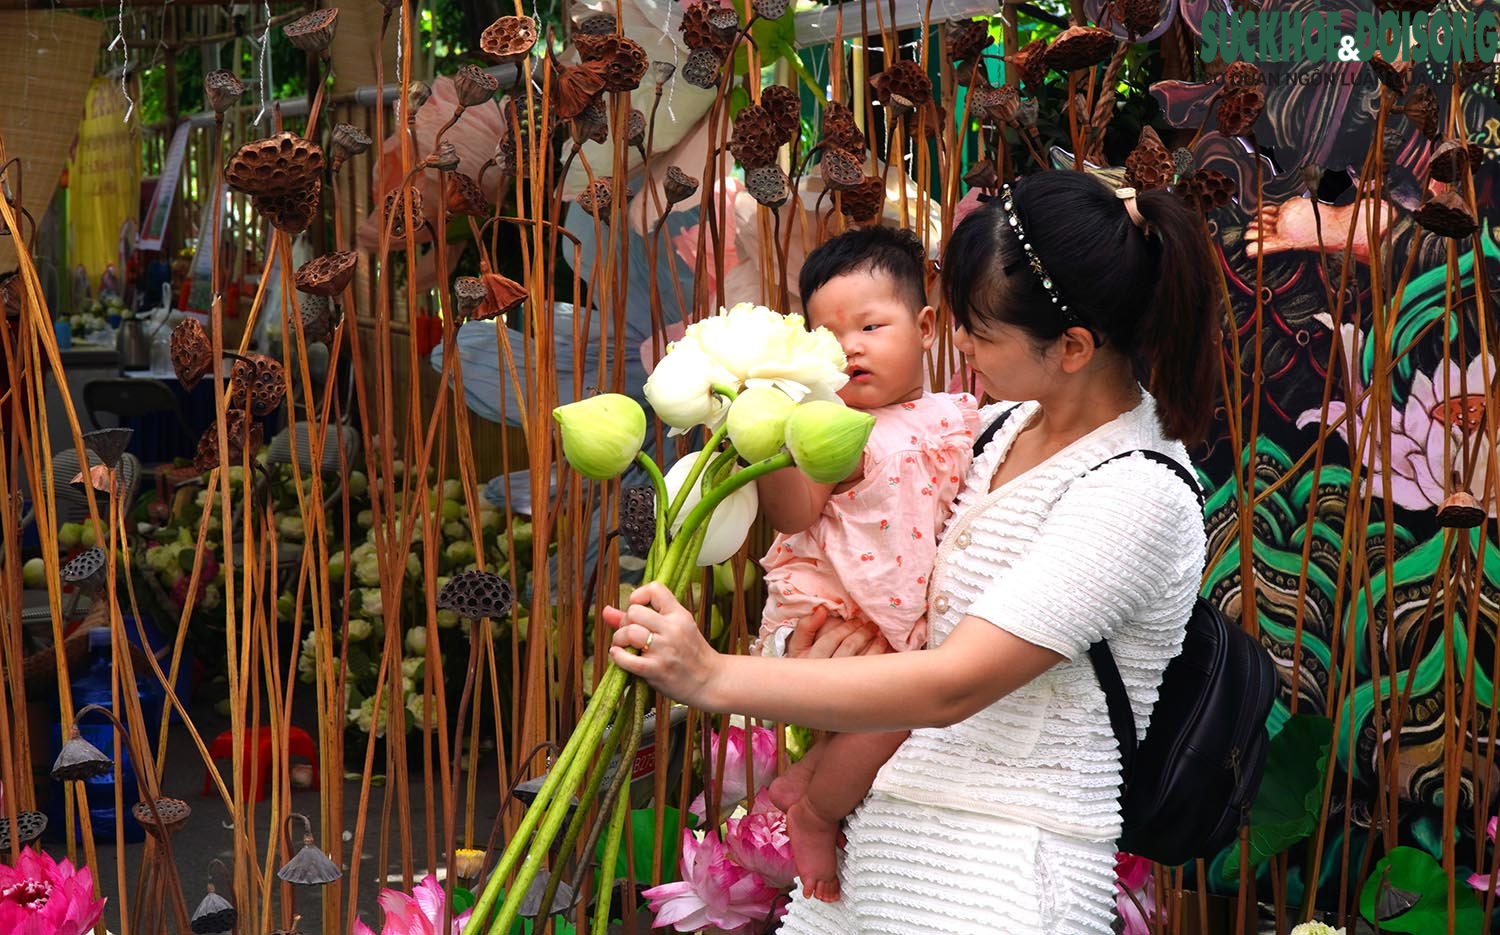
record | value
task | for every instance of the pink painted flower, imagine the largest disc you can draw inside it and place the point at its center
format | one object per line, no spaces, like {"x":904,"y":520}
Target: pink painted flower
{"x":39,"y":896}
{"x":1484,"y":882}
{"x":759,"y":842}
{"x":419,"y":913}
{"x":762,"y":748}
{"x":714,"y":891}
{"x":1135,"y":893}
{"x":1427,"y":432}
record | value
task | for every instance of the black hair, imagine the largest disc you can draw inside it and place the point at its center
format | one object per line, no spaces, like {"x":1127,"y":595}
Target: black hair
{"x":894,"y":251}
{"x":1148,"y":295}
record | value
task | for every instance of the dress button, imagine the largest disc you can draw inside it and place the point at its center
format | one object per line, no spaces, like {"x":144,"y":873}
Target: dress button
{"x":940,"y":604}
{"x":962,"y":540}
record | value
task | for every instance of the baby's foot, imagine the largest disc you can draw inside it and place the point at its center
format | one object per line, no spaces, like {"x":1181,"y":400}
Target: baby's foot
{"x":787,"y":789}
{"x":814,"y":851}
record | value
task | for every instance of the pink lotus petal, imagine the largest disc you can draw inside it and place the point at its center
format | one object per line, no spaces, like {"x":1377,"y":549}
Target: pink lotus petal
{"x":1484,"y":883}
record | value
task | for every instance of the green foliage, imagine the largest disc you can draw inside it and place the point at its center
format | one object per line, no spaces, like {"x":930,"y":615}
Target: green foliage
{"x":1290,"y":798}
{"x":643,"y":843}
{"x":1416,"y":872}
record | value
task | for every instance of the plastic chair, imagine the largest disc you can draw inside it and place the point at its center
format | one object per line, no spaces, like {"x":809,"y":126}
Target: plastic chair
{"x":258,"y":769}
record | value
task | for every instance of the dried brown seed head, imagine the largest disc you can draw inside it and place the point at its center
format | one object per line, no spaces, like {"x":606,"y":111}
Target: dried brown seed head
{"x":258,"y":384}
{"x":768,"y":185}
{"x":348,"y":140}
{"x":662,"y":72}
{"x":704,"y":68}
{"x":1421,"y":108}
{"x":785,"y":109}
{"x":192,"y":353}
{"x":864,"y":203}
{"x":841,"y":169}
{"x":769,"y":9}
{"x":329,"y":274}
{"x":222,"y":89}
{"x":509,"y":38}
{"x":1030,"y":61}
{"x":623,"y":58}
{"x":677,"y":185}
{"x":465,"y":197}
{"x":595,"y":24}
{"x":904,"y":79}
{"x":80,"y":760}
{"x":474,"y":85}
{"x":503,"y":295}
{"x":1149,"y":165}
{"x":1447,"y":214}
{"x":756,"y":139}
{"x":313,"y":32}
{"x":1449,"y":161}
{"x":292,"y":211}
{"x":468,"y":292}
{"x":967,"y":39}
{"x":982,"y":174}
{"x":1394,"y":75}
{"x":474,"y":595}
{"x":1079,"y":47}
{"x":1460,"y":510}
{"x":276,"y":165}
{"x":242,"y":434}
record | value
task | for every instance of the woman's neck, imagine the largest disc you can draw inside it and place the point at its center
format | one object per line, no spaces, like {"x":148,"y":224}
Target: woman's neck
{"x":1084,"y":404}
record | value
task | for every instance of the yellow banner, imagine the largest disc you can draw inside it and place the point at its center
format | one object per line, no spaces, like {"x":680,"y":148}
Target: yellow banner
{"x":104,"y":179}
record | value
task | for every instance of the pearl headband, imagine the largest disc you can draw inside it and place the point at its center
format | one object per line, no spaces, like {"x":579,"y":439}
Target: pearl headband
{"x":1007,"y":201}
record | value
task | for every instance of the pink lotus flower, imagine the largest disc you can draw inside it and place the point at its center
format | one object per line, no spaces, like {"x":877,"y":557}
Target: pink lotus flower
{"x":39,"y":896}
{"x":732,"y":742}
{"x":759,"y":843}
{"x":713,"y":891}
{"x":1135,"y":893}
{"x":1484,"y":882}
{"x":417,"y":914}
{"x":1436,"y":411}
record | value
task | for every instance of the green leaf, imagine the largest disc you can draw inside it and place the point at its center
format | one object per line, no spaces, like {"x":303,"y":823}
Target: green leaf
{"x":1415,"y":871}
{"x":643,"y":841}
{"x":462,"y":899}
{"x":1290,"y":798}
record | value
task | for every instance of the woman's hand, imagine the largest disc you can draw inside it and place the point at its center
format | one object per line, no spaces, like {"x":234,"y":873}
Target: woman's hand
{"x":822,"y":636}
{"x":673,"y":655}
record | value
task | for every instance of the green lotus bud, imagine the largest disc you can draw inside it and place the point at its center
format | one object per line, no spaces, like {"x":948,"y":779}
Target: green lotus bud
{"x":359,"y":629}
{"x":69,"y":535}
{"x":757,"y":422}
{"x":455,"y":530}
{"x":451,"y":510}
{"x":601,"y":435}
{"x":724,"y":577}
{"x":827,"y":439}
{"x":357,"y":483}
{"x":336,"y":566}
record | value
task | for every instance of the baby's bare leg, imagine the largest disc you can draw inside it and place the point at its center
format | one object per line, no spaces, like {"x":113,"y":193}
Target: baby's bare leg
{"x":791,"y":785}
{"x":839,"y":782}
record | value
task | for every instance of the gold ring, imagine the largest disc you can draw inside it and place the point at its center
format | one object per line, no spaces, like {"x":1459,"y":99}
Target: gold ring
{"x":649,"y":637}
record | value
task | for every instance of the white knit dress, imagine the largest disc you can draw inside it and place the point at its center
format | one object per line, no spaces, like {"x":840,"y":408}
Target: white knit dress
{"x":1006,"y":822}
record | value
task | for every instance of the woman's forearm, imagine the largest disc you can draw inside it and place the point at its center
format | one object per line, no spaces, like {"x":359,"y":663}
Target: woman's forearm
{"x":975,"y":667}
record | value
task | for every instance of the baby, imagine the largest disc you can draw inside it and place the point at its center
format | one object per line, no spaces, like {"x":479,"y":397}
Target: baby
{"x":862,"y":549}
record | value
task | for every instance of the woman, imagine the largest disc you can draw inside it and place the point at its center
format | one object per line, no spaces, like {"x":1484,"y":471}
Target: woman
{"x":1000,"y":813}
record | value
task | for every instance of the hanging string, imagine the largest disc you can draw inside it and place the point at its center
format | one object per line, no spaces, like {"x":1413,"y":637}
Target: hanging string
{"x":263,"y":66}
{"x":125,"y":62}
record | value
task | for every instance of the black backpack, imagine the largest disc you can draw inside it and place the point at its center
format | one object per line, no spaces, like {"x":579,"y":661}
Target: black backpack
{"x":1188,"y":786}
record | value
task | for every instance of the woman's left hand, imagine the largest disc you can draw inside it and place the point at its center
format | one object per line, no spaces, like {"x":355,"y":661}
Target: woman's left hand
{"x":673,"y":655}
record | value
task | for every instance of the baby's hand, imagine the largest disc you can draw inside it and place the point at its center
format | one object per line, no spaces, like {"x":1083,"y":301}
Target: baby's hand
{"x":823,"y":636}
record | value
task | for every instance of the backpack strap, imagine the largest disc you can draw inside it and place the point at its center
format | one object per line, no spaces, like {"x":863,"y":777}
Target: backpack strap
{"x":986,"y":436}
{"x":1121,"y":715}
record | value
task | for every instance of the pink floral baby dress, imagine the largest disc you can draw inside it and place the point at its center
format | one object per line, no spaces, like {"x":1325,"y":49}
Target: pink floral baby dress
{"x":869,"y":554}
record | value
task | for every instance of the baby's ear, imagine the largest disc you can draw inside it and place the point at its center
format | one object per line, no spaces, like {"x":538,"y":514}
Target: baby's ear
{"x":927,"y":325}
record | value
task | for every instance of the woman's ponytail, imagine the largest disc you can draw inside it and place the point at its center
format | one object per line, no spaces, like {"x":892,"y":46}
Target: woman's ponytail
{"x":1179,"y":335}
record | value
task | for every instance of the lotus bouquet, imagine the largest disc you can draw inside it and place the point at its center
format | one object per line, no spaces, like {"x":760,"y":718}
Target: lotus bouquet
{"x":763,"y":388}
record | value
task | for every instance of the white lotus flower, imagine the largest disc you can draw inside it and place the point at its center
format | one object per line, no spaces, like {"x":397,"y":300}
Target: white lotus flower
{"x":762,"y":348}
{"x":743,"y":347}
{"x":730,"y":522}
{"x":681,"y":388}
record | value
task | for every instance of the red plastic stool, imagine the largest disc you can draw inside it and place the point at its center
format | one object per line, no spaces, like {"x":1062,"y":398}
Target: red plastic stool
{"x":298,"y":744}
